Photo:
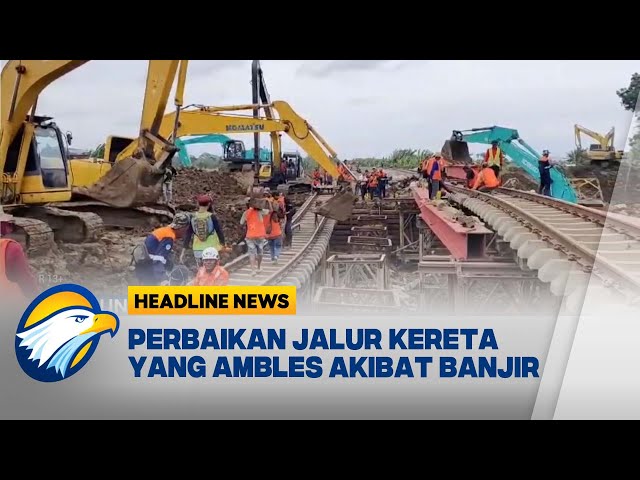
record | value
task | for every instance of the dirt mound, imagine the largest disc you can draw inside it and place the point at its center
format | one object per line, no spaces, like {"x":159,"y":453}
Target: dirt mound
{"x":191,"y":182}
{"x":228,"y":197}
{"x":619,"y":183}
{"x":519,"y":180}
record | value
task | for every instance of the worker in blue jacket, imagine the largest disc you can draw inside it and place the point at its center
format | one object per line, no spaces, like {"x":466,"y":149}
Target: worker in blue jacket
{"x":545,"y":166}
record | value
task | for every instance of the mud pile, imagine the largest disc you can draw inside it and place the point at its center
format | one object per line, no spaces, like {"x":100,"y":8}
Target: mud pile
{"x":191,"y":182}
{"x":227,"y":193}
{"x":513,"y":178}
{"x":619,"y":184}
{"x":101,"y":266}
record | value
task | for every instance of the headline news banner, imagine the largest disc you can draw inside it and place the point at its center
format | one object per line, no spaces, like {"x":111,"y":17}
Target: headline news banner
{"x":354,"y":348}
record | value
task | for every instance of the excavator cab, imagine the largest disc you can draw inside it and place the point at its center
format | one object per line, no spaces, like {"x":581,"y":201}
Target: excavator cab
{"x":456,"y":150}
{"x":293,"y":162}
{"x":37,"y":161}
{"x":234,"y":151}
{"x":235,"y":156}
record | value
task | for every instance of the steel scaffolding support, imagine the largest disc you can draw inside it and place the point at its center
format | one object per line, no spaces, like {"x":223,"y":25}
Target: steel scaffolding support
{"x":359,"y":270}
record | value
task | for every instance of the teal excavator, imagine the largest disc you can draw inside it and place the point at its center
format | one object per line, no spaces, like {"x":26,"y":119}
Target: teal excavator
{"x":234,"y":150}
{"x":514,"y":148}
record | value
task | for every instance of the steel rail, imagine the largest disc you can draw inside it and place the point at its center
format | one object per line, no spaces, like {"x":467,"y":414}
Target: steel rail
{"x":243,"y":259}
{"x":300,"y":252}
{"x":291,"y":264}
{"x":588,"y":259}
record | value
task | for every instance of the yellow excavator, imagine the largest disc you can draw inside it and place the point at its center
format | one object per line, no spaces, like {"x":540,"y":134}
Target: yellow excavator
{"x":37,"y":179}
{"x":602,"y":151}
{"x":204,"y":120}
{"x":195,"y":120}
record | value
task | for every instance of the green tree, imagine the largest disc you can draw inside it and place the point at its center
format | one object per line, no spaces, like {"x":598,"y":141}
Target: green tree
{"x":577,"y":156}
{"x":629,"y":99}
{"x":629,"y":95}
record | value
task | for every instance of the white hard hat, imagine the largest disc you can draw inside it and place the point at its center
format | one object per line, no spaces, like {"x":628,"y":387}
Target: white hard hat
{"x":210,"y":254}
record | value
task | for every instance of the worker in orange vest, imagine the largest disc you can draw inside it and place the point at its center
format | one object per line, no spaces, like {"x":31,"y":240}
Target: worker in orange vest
{"x":494,"y":157}
{"x":16,"y":281}
{"x":273,"y":229}
{"x":211,"y":273}
{"x":471,"y":176}
{"x":373,"y":183}
{"x":434,"y":170}
{"x":424,"y":167}
{"x":487,"y":179}
{"x":256,"y":236}
{"x":317,"y":178}
{"x":153,"y":259}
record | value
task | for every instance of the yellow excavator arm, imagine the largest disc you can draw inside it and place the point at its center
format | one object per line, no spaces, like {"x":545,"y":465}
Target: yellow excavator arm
{"x":209,"y":120}
{"x":21,"y":82}
{"x":136,"y":178}
{"x":605,"y":141}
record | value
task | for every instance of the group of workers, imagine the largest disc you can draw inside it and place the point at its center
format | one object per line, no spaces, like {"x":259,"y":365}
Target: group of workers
{"x":320,"y":177}
{"x":487,"y":178}
{"x":373,"y":184}
{"x":268,"y":222}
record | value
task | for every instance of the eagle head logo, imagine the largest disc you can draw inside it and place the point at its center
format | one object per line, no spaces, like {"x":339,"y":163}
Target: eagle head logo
{"x":59,"y":332}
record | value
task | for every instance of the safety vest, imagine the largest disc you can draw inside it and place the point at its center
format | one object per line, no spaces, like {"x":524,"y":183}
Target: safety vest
{"x":201,"y":221}
{"x":8,"y":289}
{"x":493,"y":158}
{"x":487,"y":178}
{"x":434,"y":169}
{"x":255,"y":227}
{"x":276,"y":229}
{"x":218,"y":277}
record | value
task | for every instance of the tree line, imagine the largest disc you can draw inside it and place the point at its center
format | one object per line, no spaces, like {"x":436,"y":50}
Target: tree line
{"x":407,"y":158}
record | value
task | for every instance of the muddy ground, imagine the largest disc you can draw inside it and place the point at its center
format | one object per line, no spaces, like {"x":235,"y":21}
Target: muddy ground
{"x":104,"y":265}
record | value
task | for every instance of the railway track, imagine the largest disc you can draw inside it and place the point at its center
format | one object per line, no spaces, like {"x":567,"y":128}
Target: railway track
{"x":298,"y":262}
{"x":571,"y":246}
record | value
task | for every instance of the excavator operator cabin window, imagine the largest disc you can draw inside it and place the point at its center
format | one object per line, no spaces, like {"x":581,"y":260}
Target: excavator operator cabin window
{"x":52,"y":164}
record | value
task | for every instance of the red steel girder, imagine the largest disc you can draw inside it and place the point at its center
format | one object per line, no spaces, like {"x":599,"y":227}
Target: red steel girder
{"x":463,"y":243}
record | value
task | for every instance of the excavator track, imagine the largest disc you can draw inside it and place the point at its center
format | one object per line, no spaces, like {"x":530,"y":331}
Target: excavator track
{"x":35,"y":236}
{"x":134,"y":217}
{"x":69,"y":226}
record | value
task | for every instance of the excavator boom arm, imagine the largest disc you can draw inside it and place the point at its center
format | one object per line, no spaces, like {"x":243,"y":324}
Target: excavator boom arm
{"x":21,"y":82}
{"x":604,"y":140}
{"x":210,"y":120}
{"x":522,"y":154}
{"x":161,"y":75}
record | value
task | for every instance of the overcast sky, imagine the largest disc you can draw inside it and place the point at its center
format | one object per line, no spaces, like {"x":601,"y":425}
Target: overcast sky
{"x":368,"y":107}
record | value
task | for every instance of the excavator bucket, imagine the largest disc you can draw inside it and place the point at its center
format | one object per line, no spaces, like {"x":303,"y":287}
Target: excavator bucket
{"x":338,"y":207}
{"x":130,"y":183}
{"x":456,"y":151}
